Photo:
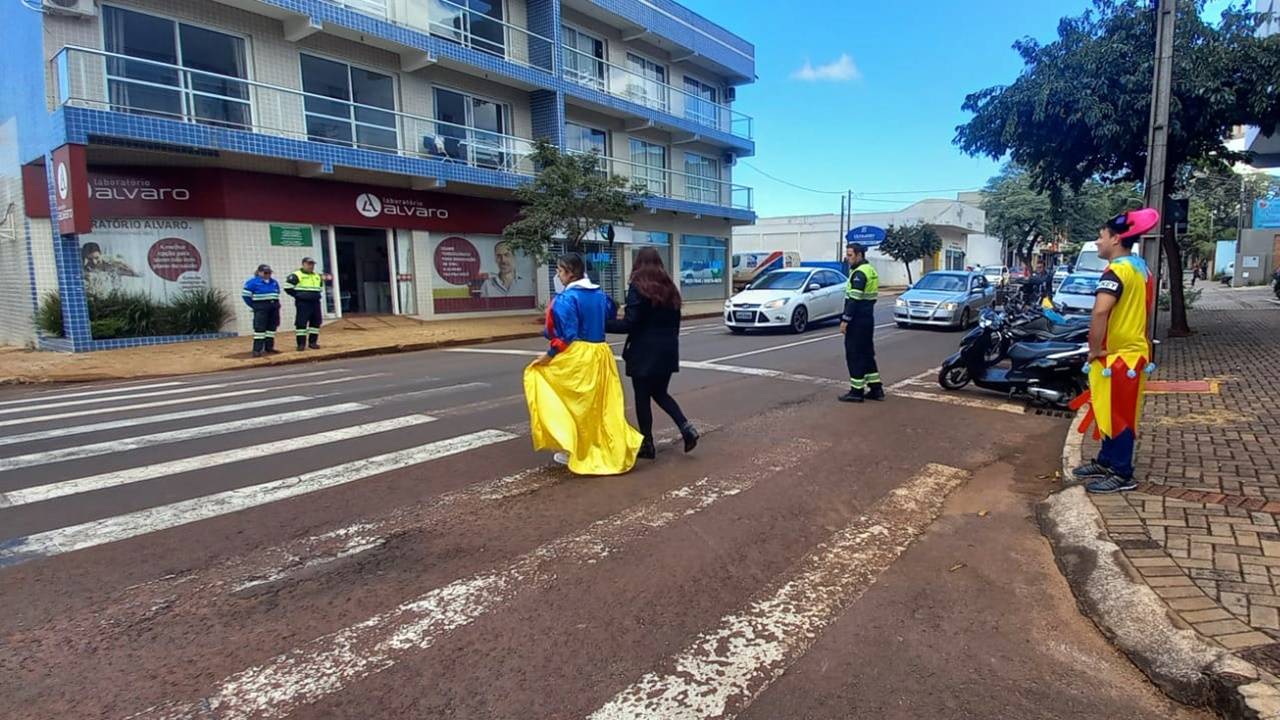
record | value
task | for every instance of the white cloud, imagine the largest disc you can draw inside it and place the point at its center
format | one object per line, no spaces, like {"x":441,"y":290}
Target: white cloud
{"x":843,"y":69}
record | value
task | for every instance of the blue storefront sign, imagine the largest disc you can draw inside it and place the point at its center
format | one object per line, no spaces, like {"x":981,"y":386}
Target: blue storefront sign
{"x":1266,"y":213}
{"x":867,"y":235}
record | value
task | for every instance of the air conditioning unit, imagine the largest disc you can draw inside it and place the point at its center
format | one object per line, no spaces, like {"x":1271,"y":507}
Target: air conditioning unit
{"x":731,"y":159}
{"x":82,"y":8}
{"x":730,"y":94}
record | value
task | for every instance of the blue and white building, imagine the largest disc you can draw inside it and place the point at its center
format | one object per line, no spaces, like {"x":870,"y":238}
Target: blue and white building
{"x":161,"y":145}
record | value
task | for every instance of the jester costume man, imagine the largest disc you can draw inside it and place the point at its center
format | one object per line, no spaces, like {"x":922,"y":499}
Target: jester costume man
{"x":1120,"y":353}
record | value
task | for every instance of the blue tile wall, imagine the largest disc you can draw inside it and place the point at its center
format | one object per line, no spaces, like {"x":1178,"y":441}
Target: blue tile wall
{"x":70,"y":273}
{"x":656,"y":16}
{"x":66,"y":345}
{"x":547,"y":110}
{"x":693,"y":208}
{"x":544,"y":20}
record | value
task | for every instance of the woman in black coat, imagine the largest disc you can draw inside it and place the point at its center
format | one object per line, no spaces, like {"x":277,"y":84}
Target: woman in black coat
{"x":651,"y":323}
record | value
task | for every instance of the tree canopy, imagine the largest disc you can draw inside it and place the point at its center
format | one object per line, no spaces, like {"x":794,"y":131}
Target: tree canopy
{"x":570,"y":198}
{"x":1079,"y":111}
{"x":908,"y":243}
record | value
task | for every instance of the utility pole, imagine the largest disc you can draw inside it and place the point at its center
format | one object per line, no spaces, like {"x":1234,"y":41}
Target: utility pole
{"x":1158,"y":142}
{"x":843,"y":230}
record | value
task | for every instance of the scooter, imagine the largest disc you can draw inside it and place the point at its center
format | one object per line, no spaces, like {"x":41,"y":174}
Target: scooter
{"x":1046,"y":372}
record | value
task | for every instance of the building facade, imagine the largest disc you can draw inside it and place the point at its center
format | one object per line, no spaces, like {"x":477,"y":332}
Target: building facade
{"x":818,"y":238}
{"x":159,"y":146}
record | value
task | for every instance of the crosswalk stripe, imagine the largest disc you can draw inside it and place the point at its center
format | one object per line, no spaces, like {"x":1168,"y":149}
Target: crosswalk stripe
{"x":326,"y":665}
{"x":172,"y":436}
{"x":181,"y":400}
{"x":721,"y":672}
{"x":172,"y":391}
{"x":142,"y":522}
{"x":110,"y":391}
{"x":148,"y":420}
{"x":50,"y":491}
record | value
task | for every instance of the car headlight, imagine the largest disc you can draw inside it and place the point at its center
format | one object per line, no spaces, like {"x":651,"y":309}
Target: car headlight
{"x":728,"y":304}
{"x":775,"y":304}
{"x":899,"y":303}
{"x":950,"y":306}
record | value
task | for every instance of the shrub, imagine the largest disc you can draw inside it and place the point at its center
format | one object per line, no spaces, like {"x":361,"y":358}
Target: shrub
{"x":1190,"y":297}
{"x":49,"y":314}
{"x":197,"y":312}
{"x":132,"y":314}
{"x":108,"y":328}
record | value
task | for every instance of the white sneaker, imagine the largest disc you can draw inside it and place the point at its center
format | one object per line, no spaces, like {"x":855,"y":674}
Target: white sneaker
{"x":561,"y":457}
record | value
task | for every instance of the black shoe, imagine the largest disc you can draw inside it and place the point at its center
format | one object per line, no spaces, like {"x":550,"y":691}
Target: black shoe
{"x":273,"y":351}
{"x":1091,"y":471}
{"x":647,"y":450}
{"x":690,"y":435}
{"x":301,"y":348}
{"x":853,"y":396}
{"x":315,"y":346}
{"x":876,"y":393}
{"x":257,"y":353}
{"x":1111,"y":484}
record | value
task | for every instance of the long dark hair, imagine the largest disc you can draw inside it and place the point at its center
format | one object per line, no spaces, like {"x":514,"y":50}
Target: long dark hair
{"x":649,"y":277}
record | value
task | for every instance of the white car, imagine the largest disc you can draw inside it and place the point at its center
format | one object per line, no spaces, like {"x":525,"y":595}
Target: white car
{"x":1059,"y":276}
{"x":792,"y":298}
{"x":996,"y":275}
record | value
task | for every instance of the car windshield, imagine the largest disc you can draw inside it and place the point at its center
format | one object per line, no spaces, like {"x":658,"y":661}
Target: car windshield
{"x":941,"y":282}
{"x":1080,"y":285}
{"x":1090,"y":262}
{"x":780,"y":281}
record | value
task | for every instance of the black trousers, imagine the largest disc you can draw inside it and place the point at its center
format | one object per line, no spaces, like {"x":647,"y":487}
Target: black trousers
{"x":860,"y":354}
{"x":266,"y":318}
{"x":655,"y":388}
{"x":308,"y":320}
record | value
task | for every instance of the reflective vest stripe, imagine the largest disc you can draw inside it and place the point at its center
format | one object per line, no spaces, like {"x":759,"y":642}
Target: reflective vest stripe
{"x":872,"y":289}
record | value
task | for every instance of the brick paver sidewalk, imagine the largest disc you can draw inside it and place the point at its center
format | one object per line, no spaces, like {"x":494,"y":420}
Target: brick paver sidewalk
{"x":1202,"y":528}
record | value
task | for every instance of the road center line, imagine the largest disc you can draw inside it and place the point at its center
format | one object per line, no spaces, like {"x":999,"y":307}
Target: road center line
{"x":773,"y":348}
{"x":328,"y":664}
{"x":727,"y":667}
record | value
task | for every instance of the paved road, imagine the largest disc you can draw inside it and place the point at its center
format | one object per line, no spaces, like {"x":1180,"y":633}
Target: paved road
{"x":375,"y":538}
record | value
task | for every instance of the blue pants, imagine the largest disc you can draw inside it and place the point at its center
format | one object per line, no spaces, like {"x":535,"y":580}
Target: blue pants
{"x":1117,"y":454}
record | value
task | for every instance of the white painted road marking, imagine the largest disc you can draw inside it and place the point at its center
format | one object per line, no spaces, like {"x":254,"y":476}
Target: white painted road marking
{"x":62,"y":396}
{"x":914,"y":379}
{"x":172,"y":436}
{"x":961,"y":401}
{"x":148,"y":420}
{"x":50,"y":491}
{"x":727,"y":667}
{"x":188,"y":389}
{"x":773,"y":348}
{"x":326,"y":665}
{"x":142,"y":522}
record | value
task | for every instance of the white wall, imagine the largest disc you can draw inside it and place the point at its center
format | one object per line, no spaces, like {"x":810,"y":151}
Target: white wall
{"x":983,"y":250}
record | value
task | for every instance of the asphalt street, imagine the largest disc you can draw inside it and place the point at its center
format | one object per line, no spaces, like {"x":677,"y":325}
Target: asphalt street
{"x":375,"y":538}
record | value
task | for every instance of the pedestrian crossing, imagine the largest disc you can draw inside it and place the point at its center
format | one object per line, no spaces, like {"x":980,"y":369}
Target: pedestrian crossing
{"x":214,"y":442}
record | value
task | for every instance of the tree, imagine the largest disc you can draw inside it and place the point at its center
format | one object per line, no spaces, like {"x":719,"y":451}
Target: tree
{"x":569,"y":198}
{"x":1080,"y":108}
{"x":909,"y":243}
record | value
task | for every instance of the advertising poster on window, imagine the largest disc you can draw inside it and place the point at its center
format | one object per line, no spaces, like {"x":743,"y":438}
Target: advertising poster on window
{"x":161,"y":257}
{"x":478,"y":273}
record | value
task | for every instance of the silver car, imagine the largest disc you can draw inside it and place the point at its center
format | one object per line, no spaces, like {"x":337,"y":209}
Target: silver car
{"x":946,"y":299}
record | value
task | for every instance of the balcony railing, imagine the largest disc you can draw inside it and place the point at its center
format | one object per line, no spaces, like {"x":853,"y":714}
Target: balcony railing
{"x":467,"y":27}
{"x":120,"y":83}
{"x":666,"y":183}
{"x":583,"y":69}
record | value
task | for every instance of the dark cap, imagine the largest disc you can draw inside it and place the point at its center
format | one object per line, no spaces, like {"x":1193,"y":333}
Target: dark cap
{"x":858,"y":248}
{"x":306,"y":260}
{"x":264,"y":268}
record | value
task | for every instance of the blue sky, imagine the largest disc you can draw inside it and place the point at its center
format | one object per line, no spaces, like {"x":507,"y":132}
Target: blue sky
{"x":884,"y":122}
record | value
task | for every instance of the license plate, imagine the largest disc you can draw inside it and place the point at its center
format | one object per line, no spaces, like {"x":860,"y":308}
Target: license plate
{"x":920,"y":313}
{"x":744,"y":315}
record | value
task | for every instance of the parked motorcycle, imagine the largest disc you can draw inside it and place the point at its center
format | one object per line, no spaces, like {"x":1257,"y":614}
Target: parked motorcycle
{"x":1046,"y":372}
{"x":1275,"y":283}
{"x":1024,"y":322}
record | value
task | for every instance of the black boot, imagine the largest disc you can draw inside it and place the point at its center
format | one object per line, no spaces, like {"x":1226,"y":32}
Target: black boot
{"x":647,"y":450}
{"x":875,"y":391}
{"x":270,"y":349}
{"x":302,"y":343}
{"x":690,"y":435}
{"x":853,"y":396}
{"x":258,"y":345}
{"x":315,"y":341}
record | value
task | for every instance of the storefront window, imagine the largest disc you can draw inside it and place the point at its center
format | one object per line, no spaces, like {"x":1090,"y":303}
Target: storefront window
{"x":659,"y":241}
{"x":702,"y":267}
{"x":477,"y":273}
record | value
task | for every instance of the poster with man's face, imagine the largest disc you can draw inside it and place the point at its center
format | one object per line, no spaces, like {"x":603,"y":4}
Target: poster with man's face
{"x":160,"y":257}
{"x":477,"y":273}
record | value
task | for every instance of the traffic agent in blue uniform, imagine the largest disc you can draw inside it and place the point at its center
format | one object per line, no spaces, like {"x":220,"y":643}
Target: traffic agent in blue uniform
{"x":262,"y":294}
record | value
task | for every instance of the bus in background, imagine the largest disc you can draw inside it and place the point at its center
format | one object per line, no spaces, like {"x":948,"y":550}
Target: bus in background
{"x":747,"y":266}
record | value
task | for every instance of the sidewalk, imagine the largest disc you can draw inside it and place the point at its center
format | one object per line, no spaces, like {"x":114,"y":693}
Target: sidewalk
{"x":1202,"y":530}
{"x":348,"y":337}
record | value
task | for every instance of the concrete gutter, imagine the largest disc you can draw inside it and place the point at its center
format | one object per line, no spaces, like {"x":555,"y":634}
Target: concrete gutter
{"x":1184,"y":664}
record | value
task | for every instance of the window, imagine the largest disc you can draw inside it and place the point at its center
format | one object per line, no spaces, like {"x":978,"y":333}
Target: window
{"x":828,"y":278}
{"x":701,"y":104}
{"x":473,"y":130}
{"x":361,"y":112}
{"x":583,"y":58}
{"x":702,"y":183}
{"x":647,"y":82}
{"x":649,"y":166}
{"x":702,"y":266}
{"x":204,"y":85}
{"x":659,"y":241}
{"x":942,"y":282}
{"x":583,"y":139}
{"x":474,"y":23}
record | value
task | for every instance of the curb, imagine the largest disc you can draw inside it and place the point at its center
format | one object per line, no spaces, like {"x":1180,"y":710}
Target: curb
{"x":1110,"y":591}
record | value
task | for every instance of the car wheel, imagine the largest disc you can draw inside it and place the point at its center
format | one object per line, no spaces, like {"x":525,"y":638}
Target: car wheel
{"x":800,"y":320}
{"x":737,"y":330}
{"x":966,"y":319}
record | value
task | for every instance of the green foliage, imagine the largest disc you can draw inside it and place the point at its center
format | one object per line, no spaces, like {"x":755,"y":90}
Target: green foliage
{"x":49,"y":314}
{"x":909,"y":243}
{"x":569,"y":198}
{"x":197,"y":312}
{"x":1189,"y":299}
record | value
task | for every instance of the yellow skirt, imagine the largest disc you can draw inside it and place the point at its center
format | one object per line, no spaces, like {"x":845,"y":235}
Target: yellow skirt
{"x":576,"y":405}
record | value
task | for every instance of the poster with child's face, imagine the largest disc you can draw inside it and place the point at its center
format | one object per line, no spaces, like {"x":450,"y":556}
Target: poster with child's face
{"x":478,"y":273}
